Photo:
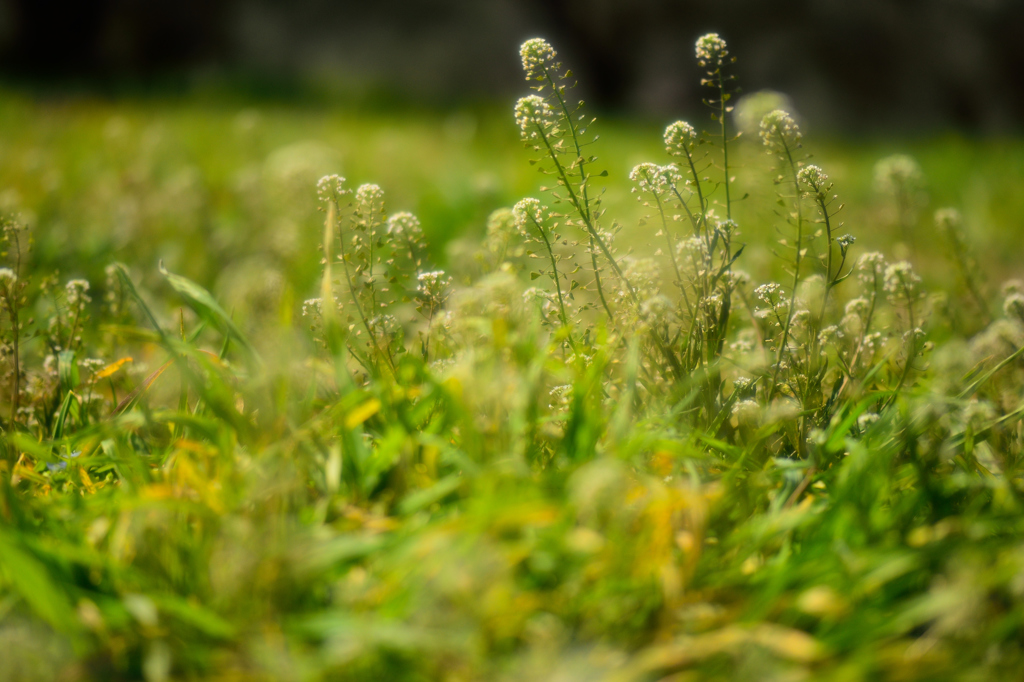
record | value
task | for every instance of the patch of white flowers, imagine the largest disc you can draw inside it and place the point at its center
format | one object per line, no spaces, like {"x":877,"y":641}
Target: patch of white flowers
{"x":404,"y":225}
{"x":525,"y":211}
{"x":779,"y":132}
{"x":537,"y":54}
{"x":813,"y":177}
{"x":650,"y":177}
{"x":711,"y":50}
{"x":77,"y":292}
{"x":331,"y":187}
{"x":679,"y":138}
{"x":901,"y":282}
{"x":533,"y":116}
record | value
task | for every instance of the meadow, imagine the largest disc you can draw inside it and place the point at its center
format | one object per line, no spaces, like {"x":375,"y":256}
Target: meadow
{"x":313,"y":393}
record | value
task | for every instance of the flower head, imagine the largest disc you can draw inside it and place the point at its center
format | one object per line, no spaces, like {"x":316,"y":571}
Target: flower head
{"x":650,"y":177}
{"x":404,"y":225}
{"x":901,"y":282}
{"x":948,"y":219}
{"x":77,"y":292}
{"x":8,"y":278}
{"x":331,"y":187}
{"x":711,"y":50}
{"x":780,"y":132}
{"x":897,"y":174}
{"x":369,"y":193}
{"x":815,"y":178}
{"x":537,"y":54}
{"x":525,"y":211}
{"x":679,"y":138}
{"x":533,"y":115}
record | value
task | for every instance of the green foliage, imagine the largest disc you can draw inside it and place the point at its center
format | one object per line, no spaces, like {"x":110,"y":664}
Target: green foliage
{"x":571,"y":454}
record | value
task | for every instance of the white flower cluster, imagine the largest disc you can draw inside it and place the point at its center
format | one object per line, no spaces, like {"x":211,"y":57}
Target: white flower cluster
{"x":1013,"y":306}
{"x":537,"y":54}
{"x":780,"y":132}
{"x":433,"y":286}
{"x":560,"y":396}
{"x":898,"y":173}
{"x":8,"y":278}
{"x":500,"y":222}
{"x":533,"y":115}
{"x":369,"y":194}
{"x":901,"y":282}
{"x":650,"y":177}
{"x":948,"y":219}
{"x":679,"y":138}
{"x":331,"y":187}
{"x":771,"y":295}
{"x":405,"y":226}
{"x":77,"y":292}
{"x":845,"y":241}
{"x":711,"y":49}
{"x":313,"y":308}
{"x":870,"y":266}
{"x":384,"y":327}
{"x":813,"y":177}
{"x":526,"y":210}
{"x":644,"y":274}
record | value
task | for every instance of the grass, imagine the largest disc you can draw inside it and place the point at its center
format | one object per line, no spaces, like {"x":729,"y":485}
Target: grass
{"x":224,"y":495}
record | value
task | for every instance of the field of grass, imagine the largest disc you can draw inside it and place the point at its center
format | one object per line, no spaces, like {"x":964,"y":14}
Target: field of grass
{"x":204,"y":477}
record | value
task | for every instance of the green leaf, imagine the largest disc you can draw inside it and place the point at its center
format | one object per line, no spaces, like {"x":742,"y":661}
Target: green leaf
{"x":31,"y":579}
{"x":203,"y":303}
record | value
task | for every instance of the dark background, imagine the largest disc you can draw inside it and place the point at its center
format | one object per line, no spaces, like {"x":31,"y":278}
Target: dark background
{"x":856,"y":64}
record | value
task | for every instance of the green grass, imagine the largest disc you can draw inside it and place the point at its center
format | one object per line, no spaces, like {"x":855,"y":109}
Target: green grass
{"x":263,"y":510}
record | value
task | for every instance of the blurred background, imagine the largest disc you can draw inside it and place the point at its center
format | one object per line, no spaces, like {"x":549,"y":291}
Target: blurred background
{"x":855,"y":65}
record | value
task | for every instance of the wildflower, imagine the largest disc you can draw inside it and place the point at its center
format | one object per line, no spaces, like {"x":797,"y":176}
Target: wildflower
{"x":433,"y":286}
{"x":870,"y":266}
{"x":527,"y":210}
{"x":901,"y":282}
{"x":404,"y":225}
{"x":77,"y":292}
{"x":858,"y":307}
{"x":560,"y":396}
{"x":533,"y":116}
{"x":742,"y":384}
{"x":369,"y":194}
{"x":813,"y":177}
{"x":643,"y":274}
{"x":655,"y":309}
{"x":747,"y":412}
{"x":7,"y":278}
{"x":897,"y":174}
{"x":650,"y":177}
{"x":1012,"y":286}
{"x":679,"y":138}
{"x":384,"y":328}
{"x":779,"y":132}
{"x":769,"y":293}
{"x":93,"y":365}
{"x":830,"y":333}
{"x":500,"y":222}
{"x":1013,"y":306}
{"x":866,"y":420}
{"x":331,"y":187}
{"x":845,"y":242}
{"x":537,"y":54}
{"x":948,"y":219}
{"x":711,"y":50}
{"x":312,"y":307}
